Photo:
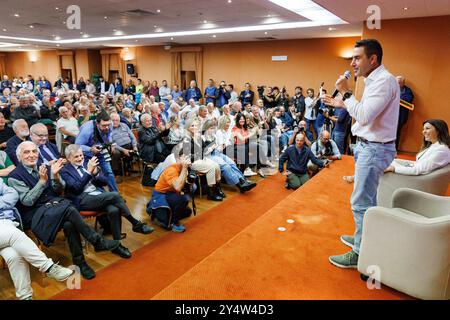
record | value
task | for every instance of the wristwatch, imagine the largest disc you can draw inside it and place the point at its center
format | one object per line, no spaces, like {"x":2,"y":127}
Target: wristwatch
{"x":347,"y":95}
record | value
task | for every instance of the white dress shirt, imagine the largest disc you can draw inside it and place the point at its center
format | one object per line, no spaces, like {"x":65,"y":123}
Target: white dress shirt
{"x":434,"y":157}
{"x":376,"y":114}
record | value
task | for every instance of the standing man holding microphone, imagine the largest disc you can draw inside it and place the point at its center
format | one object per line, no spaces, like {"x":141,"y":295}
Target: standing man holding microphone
{"x":376,"y":118}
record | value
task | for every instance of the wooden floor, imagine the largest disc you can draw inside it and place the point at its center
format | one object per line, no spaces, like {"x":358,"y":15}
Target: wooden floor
{"x":137,"y":197}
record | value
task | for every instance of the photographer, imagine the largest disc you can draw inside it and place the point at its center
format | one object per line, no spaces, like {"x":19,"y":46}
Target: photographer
{"x":298,"y":100}
{"x":125,"y":143}
{"x":95,"y":138}
{"x":223,"y":95}
{"x":297,"y":157}
{"x":284,"y":98}
{"x":300,"y":128}
{"x":271,"y":97}
{"x":169,"y":203}
{"x":324,"y":148}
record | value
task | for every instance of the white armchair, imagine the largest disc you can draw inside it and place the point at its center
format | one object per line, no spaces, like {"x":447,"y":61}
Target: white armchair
{"x":435,"y":182}
{"x":410,"y":244}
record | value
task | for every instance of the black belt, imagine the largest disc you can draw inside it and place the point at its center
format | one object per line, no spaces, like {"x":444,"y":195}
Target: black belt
{"x":367,"y":141}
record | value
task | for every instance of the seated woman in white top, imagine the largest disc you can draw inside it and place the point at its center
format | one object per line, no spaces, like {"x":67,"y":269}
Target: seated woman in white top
{"x":435,"y":152}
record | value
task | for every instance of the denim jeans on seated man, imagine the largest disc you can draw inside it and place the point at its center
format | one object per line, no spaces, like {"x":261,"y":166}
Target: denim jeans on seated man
{"x":309,"y":134}
{"x":284,"y":138}
{"x":372,"y":160}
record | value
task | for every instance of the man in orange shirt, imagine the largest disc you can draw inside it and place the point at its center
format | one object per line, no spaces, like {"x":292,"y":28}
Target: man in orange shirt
{"x":168,"y":203}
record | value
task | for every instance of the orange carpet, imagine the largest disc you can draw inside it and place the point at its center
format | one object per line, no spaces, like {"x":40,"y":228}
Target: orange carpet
{"x":157,"y":265}
{"x":262,"y":262}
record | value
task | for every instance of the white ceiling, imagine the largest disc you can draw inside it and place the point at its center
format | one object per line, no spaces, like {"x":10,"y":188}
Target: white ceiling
{"x":185,"y":15}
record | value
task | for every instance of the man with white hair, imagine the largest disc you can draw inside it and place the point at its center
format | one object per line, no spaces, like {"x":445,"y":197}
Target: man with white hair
{"x":43,"y":211}
{"x":191,"y":107}
{"x":67,"y":125}
{"x":193,"y":92}
{"x":26,"y":111}
{"x":48,"y":152}
{"x":18,"y":249}
{"x":22,"y":132}
{"x":125,"y":143}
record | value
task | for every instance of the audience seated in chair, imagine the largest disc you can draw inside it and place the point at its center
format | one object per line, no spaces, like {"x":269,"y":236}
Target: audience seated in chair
{"x":84,"y":187}
{"x":48,"y":152}
{"x":18,"y":249}
{"x":125,"y":144}
{"x":150,"y":145}
{"x":22,"y":132}
{"x":434,"y":154}
{"x":38,"y":189}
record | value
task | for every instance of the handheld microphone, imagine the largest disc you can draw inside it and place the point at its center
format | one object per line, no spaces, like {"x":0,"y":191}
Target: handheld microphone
{"x":347,"y":75}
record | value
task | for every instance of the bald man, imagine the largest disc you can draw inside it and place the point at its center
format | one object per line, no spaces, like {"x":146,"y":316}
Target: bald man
{"x":48,"y":152}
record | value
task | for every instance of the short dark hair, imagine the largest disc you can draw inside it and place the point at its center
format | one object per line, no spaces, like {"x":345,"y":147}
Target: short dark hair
{"x":231,"y":86}
{"x":371,"y":47}
{"x":102,"y":116}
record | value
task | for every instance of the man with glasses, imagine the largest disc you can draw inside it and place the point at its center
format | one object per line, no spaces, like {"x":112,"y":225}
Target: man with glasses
{"x":48,"y":152}
{"x":95,"y":138}
{"x":324,"y":148}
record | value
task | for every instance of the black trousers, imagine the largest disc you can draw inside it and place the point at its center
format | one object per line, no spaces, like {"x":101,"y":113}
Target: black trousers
{"x":73,"y":226}
{"x":179,"y":205}
{"x":115,"y":159}
{"x":112,"y":203}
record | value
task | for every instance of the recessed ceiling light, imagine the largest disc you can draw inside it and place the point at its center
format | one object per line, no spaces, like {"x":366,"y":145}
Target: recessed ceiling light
{"x":214,"y":36}
{"x":405,"y":8}
{"x":265,"y":32}
{"x":269,"y":15}
{"x":331,"y":29}
{"x":204,"y":21}
{"x":105,"y":17}
{"x":56,"y":8}
{"x":136,"y":40}
{"x":85,"y":35}
{"x":64,"y":22}
{"x":171,"y":38}
{"x":16,"y":15}
{"x":158,"y":11}
{"x":4,"y":30}
{"x":31,"y":27}
{"x":229,"y":1}
{"x":57,"y":45}
{"x":155,"y":26}
{"x":57,"y":38}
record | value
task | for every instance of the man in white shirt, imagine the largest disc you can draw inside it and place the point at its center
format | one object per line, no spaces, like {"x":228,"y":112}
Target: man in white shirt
{"x":164,"y":93}
{"x":67,"y":125}
{"x":376,"y":118}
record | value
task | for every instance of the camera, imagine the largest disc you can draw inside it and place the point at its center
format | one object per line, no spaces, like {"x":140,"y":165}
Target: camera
{"x":261,"y":89}
{"x":134,"y":154}
{"x":301,"y":129}
{"x":104,"y":150}
{"x":191,"y":177}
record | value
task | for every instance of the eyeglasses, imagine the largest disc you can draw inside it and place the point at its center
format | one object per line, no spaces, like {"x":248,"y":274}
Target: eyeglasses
{"x":41,"y":135}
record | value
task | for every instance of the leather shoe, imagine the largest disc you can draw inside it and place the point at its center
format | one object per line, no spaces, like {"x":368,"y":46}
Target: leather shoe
{"x":122,"y":252}
{"x":140,"y":227}
{"x":106,"y":245}
{"x":86,"y":271}
{"x":246,"y":185}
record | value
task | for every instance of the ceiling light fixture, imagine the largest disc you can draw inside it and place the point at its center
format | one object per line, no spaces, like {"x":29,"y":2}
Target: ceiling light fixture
{"x":405,"y":8}
{"x":56,"y":8}
{"x":229,"y":1}
{"x":158,"y":11}
{"x":309,"y":10}
{"x":4,"y":30}
{"x":204,"y":21}
{"x":214,"y":36}
{"x":16,"y":15}
{"x":105,"y":17}
{"x":31,"y":27}
{"x":85,"y":35}
{"x":331,"y":29}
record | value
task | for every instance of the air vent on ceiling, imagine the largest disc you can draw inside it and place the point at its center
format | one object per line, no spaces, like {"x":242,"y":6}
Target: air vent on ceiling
{"x":265,"y":38}
{"x":138,"y":13}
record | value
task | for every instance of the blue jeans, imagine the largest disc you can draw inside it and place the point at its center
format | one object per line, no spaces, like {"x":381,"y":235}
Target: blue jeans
{"x":308,"y":128}
{"x":372,"y":160}
{"x":228,"y":168}
{"x":284,"y":138}
{"x":107,"y":170}
{"x":339,"y":138}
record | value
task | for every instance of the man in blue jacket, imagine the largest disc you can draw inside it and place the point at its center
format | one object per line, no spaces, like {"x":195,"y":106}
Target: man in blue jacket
{"x":84,"y":184}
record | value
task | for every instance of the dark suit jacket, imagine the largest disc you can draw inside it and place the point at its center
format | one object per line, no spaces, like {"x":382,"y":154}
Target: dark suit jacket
{"x":53,"y":148}
{"x":98,"y":87}
{"x":75,"y":184}
{"x":11,"y":147}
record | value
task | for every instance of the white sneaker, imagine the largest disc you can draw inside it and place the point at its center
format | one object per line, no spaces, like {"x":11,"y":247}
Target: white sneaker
{"x":59,"y":273}
{"x":270,"y":164}
{"x":261,"y":173}
{"x":248,"y":172}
